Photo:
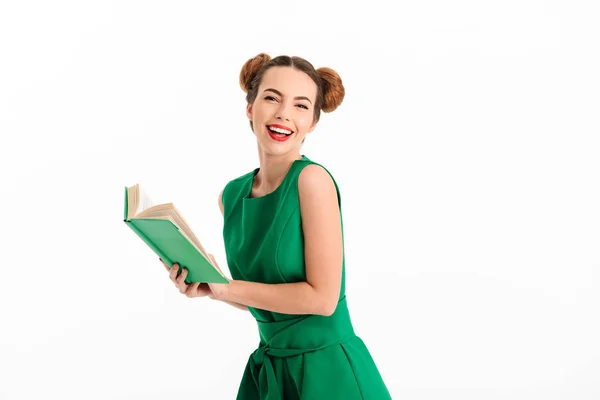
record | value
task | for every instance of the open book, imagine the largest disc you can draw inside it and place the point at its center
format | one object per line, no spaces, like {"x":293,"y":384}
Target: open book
{"x":165,"y":231}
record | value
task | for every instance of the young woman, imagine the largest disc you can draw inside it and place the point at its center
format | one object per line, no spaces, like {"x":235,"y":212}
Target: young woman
{"x":283,"y":235}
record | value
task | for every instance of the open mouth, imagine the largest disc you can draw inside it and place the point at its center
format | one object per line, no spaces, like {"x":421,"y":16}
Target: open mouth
{"x":279,"y":134}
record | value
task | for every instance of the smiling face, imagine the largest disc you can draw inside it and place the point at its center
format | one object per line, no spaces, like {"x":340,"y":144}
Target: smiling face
{"x":283,"y":112}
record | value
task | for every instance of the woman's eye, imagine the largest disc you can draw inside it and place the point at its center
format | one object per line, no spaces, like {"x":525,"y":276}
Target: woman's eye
{"x":270,"y":98}
{"x":303,"y":106}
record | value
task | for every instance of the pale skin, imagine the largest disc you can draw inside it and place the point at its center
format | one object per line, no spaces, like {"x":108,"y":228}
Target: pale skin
{"x":289,"y":105}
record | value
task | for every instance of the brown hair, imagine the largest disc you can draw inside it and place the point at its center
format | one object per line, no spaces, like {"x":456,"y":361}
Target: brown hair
{"x":330,"y":90}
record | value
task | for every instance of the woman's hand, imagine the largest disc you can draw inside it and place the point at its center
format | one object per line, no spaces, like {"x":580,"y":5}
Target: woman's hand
{"x":195,"y":289}
{"x":217,"y":289}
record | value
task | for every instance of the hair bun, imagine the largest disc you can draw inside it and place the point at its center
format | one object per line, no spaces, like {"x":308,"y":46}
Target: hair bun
{"x":333,"y":89}
{"x":250,"y":68}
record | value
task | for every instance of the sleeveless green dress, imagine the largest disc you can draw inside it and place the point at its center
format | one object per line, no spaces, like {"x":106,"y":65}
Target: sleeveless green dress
{"x":298,"y":356}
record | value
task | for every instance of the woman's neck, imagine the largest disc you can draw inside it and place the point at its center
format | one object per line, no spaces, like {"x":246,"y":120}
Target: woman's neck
{"x":272,"y":170}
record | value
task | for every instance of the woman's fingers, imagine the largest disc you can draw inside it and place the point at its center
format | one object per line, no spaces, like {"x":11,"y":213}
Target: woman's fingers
{"x":180,"y":281}
{"x":173,"y":272}
{"x":192,"y":290}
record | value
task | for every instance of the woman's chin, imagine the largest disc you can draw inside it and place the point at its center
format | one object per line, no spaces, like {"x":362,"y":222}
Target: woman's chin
{"x":276,"y":149}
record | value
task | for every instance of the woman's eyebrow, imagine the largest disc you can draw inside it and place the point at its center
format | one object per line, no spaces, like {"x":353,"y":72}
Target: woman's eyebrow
{"x":277,"y":92}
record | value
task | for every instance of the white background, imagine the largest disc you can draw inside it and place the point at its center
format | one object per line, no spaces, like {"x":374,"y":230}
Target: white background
{"x":466,"y":152}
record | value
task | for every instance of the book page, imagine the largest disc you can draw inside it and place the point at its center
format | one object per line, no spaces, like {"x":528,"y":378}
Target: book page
{"x":132,"y":201}
{"x":138,"y":200}
{"x":144,"y":201}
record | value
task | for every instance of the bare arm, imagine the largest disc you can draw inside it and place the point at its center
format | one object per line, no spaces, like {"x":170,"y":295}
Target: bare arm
{"x":323,"y":254}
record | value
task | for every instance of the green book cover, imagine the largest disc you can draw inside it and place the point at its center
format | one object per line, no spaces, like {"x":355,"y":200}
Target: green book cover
{"x":165,"y":239}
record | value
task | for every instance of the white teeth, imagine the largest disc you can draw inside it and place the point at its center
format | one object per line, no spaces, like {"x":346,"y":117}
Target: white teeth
{"x":279,"y":130}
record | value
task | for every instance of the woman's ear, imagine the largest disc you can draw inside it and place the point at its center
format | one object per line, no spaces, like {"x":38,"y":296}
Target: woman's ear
{"x":249,"y":111}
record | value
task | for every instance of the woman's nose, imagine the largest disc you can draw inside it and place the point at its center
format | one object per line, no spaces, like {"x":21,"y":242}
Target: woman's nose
{"x":283,"y":112}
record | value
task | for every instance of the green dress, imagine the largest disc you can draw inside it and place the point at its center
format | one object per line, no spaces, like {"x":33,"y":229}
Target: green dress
{"x":298,"y":356}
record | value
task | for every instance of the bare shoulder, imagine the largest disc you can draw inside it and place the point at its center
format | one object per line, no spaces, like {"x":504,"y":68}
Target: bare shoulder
{"x":316,"y":184}
{"x":313,"y":177}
